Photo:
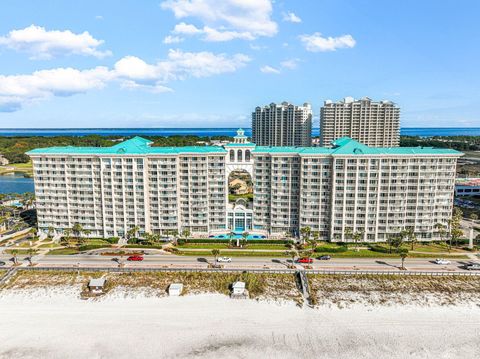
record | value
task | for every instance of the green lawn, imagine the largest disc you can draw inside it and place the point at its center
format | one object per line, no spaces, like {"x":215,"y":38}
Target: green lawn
{"x":19,"y":251}
{"x":17,"y":167}
{"x":63,"y":251}
{"x":363,"y":253}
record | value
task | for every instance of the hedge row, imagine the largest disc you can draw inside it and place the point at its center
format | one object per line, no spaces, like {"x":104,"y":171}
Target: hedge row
{"x":379,"y":249}
{"x":89,"y":247}
{"x":330,"y":249}
{"x":251,"y":241}
{"x":157,"y":246}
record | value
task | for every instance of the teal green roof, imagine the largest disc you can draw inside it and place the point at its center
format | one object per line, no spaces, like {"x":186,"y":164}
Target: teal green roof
{"x":342,"y":146}
{"x":133,"y":146}
{"x":348,"y":146}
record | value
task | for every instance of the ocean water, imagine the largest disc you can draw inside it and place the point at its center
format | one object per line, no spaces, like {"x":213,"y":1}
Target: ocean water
{"x":426,"y":132}
{"x":15,"y":183}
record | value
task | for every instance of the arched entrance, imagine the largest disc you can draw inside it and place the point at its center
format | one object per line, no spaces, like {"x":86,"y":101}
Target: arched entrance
{"x":240,"y":201}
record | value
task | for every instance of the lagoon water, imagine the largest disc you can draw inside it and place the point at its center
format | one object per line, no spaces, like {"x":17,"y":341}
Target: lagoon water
{"x":15,"y":183}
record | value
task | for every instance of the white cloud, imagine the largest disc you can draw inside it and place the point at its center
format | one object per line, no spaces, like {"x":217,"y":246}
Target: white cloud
{"x":17,"y":90}
{"x":44,"y":44}
{"x":179,"y":65}
{"x":291,"y":17}
{"x":224,"y":20}
{"x":290,"y":64}
{"x":132,"y":73}
{"x":317,"y":43}
{"x":269,"y":70}
{"x":172,"y":39}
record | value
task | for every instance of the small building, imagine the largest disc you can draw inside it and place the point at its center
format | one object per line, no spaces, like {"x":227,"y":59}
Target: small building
{"x":3,"y":161}
{"x":467,"y":187}
{"x":238,"y":288}
{"x":175,"y":289}
{"x":96,"y":286}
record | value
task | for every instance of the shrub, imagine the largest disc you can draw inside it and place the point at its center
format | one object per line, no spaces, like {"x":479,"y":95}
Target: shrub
{"x":331,"y":249}
{"x":112,"y":240}
{"x":88,"y":247}
{"x":379,"y":249}
{"x":180,"y":242}
{"x":250,"y":241}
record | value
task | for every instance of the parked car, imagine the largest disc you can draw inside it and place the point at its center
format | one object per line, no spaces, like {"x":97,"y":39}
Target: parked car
{"x":324,"y":258}
{"x":2,"y":263}
{"x":135,"y":258}
{"x":472,"y":266}
{"x":441,"y":261}
{"x":224,"y":259}
{"x":304,"y":260}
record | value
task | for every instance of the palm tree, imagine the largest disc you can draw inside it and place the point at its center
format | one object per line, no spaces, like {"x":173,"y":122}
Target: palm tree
{"x":355,"y":236}
{"x":132,"y":232}
{"x":291,"y":254}
{"x":67,"y":232}
{"x":244,"y":238}
{"x":50,"y":231}
{"x":77,"y":230}
{"x":411,"y":236}
{"x":442,"y":232}
{"x":31,"y":253}
{"x":14,"y":254}
{"x":473,"y":217}
{"x":215,"y":253}
{"x":403,"y":254}
{"x":186,"y":233}
{"x":305,"y":232}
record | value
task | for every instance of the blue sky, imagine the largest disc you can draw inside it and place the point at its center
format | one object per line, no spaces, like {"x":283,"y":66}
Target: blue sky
{"x":208,"y":63}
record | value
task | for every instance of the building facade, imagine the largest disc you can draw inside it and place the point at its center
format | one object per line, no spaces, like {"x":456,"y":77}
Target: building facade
{"x":282,"y":125}
{"x":378,"y":191}
{"x":375,"y":124}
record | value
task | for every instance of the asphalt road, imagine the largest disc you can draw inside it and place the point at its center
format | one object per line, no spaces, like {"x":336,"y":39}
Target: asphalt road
{"x":172,"y":261}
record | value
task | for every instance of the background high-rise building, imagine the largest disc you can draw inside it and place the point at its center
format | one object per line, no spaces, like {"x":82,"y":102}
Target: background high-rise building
{"x":375,"y":124}
{"x":282,"y":125}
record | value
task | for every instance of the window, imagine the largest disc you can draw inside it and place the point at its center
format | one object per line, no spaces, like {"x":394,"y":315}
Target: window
{"x":232,"y":155}
{"x":239,"y":156}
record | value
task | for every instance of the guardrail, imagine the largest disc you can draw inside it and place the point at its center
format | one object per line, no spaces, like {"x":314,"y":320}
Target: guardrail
{"x":238,"y":270}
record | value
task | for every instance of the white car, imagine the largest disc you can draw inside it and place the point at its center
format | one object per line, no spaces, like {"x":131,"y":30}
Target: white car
{"x":441,"y":261}
{"x":224,"y":259}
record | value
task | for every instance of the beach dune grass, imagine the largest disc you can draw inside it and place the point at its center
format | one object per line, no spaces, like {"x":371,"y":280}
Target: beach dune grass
{"x":259,"y":285}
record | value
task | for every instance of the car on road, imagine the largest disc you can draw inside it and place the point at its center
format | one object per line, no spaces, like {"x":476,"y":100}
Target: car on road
{"x":224,"y":259}
{"x":472,"y":266}
{"x":441,"y":261}
{"x":324,"y":258}
{"x":304,"y":260}
{"x":2,"y":263}
{"x":135,"y":258}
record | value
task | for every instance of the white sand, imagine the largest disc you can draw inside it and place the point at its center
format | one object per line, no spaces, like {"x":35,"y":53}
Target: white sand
{"x":56,"y":324}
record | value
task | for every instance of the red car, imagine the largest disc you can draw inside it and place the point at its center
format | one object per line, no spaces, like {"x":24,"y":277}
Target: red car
{"x":304,"y":260}
{"x":135,"y":258}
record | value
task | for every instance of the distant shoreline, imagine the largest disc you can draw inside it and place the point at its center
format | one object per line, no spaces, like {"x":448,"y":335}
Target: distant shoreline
{"x":208,"y":132}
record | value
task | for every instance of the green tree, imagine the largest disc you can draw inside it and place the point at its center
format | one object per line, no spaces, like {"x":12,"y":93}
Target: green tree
{"x":403,"y":254}
{"x":292,"y":254}
{"x":77,"y":230}
{"x":356,"y":236}
{"x":455,"y":226}
{"x":442,"y":232}
{"x":30,"y":253}
{"x":132,"y":232}
{"x":215,"y":253}
{"x":65,"y":240}
{"x":305,"y":233}
{"x":394,"y":240}
{"x":15,"y":254}
{"x":411,"y":236}
{"x":473,"y":217}
{"x":186,"y":233}
{"x":50,"y":231}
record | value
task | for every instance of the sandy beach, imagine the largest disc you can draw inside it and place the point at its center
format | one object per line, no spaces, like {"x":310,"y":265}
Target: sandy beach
{"x":53,"y":322}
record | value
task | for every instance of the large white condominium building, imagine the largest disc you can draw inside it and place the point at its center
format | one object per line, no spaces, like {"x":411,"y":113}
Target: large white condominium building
{"x":378,"y":191}
{"x":375,"y":124}
{"x":282,"y":125}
